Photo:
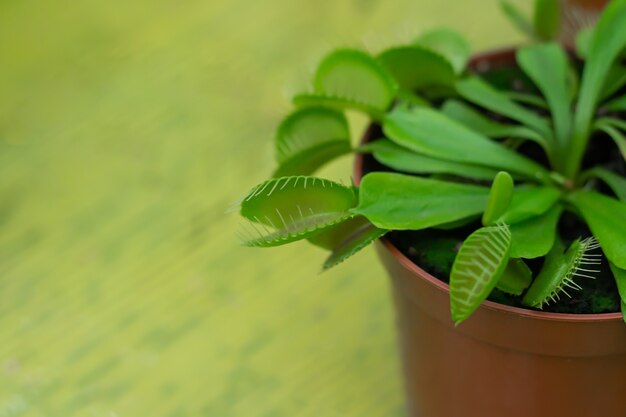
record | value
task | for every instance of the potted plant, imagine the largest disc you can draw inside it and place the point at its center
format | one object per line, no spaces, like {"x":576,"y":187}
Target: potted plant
{"x":497,"y":193}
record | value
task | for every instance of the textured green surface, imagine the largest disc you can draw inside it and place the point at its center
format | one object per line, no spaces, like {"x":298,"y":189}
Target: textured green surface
{"x":126,"y":129}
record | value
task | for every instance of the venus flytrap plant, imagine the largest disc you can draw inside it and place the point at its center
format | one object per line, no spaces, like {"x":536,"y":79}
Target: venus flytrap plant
{"x":457,"y":147}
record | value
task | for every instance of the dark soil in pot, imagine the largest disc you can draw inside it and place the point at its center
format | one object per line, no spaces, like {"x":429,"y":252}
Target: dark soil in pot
{"x":434,"y":250}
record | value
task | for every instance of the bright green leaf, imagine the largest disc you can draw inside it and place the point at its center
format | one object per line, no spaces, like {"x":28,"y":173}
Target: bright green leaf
{"x":605,"y":217}
{"x":415,"y":67}
{"x":583,"y":41}
{"x":431,"y":133}
{"x":338,"y":103}
{"x":516,"y":277}
{"x":547,"y":66}
{"x":355,"y":76}
{"x":499,"y":198}
{"x":481,"y":93}
{"x":482,"y":259}
{"x":405,"y":160}
{"x":473,"y":119}
{"x":403,"y":202}
{"x":449,"y":44}
{"x":358,"y":239}
{"x":286,"y":209}
{"x":535,"y":236}
{"x":530,"y":201}
{"x":527,"y":98}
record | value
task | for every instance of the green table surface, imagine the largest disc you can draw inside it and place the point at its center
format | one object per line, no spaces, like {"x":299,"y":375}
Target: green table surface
{"x":126,"y":129}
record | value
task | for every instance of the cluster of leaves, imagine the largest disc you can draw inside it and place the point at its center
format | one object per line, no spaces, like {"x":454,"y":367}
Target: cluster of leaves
{"x":448,"y":134}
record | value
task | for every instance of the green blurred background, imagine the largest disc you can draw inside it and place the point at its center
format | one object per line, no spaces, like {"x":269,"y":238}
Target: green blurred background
{"x":126,"y":129}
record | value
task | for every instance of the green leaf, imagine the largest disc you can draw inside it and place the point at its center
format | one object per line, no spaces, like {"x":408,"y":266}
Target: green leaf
{"x":616,"y":80}
{"x":431,"y":133}
{"x":605,"y":217}
{"x":620,"y":280}
{"x":516,"y":277}
{"x":286,"y":209}
{"x":517,"y":18}
{"x":608,"y":126}
{"x":559,"y":271}
{"x":607,"y":44}
{"x":616,"y":182}
{"x":338,"y":103}
{"x":333,"y":236}
{"x":359,"y":238}
{"x":527,"y":98}
{"x":499,"y":198}
{"x":414,"y":67}
{"x":481,"y":261}
{"x":530,"y":201}
{"x":546,"y":18}
{"x":355,"y":76}
{"x":403,"y":202}
{"x":547,"y":66}
{"x":583,"y":41}
{"x":535,"y":236}
{"x":479,"y":92}
{"x":308,"y":138}
{"x":450,"y":44}
{"x":618,"y":104}
{"x":405,"y":160}
{"x":473,"y":119}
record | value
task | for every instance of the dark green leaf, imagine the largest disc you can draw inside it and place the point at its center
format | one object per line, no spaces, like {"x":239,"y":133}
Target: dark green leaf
{"x":546,"y":18}
{"x":481,"y":261}
{"x":527,"y":98}
{"x":618,"y":104}
{"x":405,"y":160}
{"x":286,"y":209}
{"x":516,"y":277}
{"x":354,"y":242}
{"x":414,"y":67}
{"x":605,"y":217}
{"x":616,"y":182}
{"x":610,"y":126}
{"x":449,"y":44}
{"x":616,"y":80}
{"x":535,"y":236}
{"x":479,"y":92}
{"x":403,"y":202}
{"x":431,"y":133}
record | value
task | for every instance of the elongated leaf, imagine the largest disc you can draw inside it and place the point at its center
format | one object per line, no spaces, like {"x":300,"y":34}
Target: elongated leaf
{"x":479,"y":92}
{"x":449,"y":44}
{"x":403,"y":202}
{"x":607,"y":43}
{"x":517,"y":18}
{"x":616,"y":80}
{"x":355,"y":76}
{"x":535,"y":236}
{"x":308,"y":138}
{"x":431,"y":133}
{"x":516,"y":277}
{"x":605,"y":217}
{"x":547,"y":66}
{"x":353,"y":243}
{"x":499,"y":198}
{"x":559,"y":271}
{"x":546,"y":18}
{"x":620,"y":280}
{"x":478,"y":122}
{"x":618,"y":104}
{"x":333,"y":236}
{"x":583,"y":41}
{"x":530,"y":201}
{"x":616,"y":182}
{"x":608,"y":126}
{"x":527,"y":98}
{"x":414,"y":67}
{"x":479,"y":264}
{"x":286,"y":209}
{"x":405,"y":160}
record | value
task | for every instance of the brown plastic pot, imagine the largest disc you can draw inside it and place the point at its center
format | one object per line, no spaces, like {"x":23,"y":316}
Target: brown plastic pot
{"x":502,"y":361}
{"x":578,"y":14}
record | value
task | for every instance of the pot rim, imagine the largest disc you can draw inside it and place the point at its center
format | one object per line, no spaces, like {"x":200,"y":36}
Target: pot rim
{"x":497,"y":55}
